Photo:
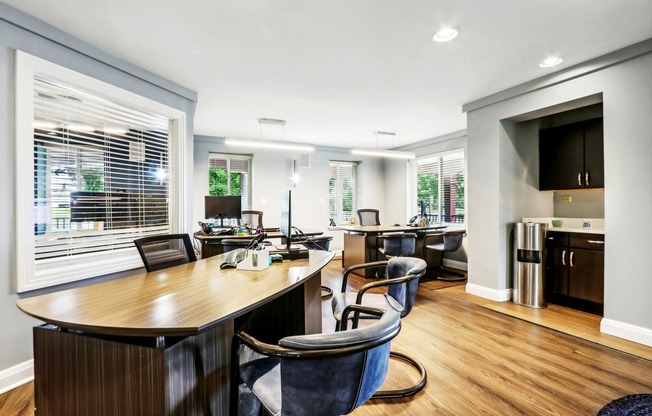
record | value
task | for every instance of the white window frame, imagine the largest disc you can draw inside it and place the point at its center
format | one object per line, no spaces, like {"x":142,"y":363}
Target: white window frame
{"x":413,"y":165}
{"x":95,"y":264}
{"x":339,"y":220}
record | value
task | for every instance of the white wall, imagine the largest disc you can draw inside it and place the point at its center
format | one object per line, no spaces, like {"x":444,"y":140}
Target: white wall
{"x":19,"y":31}
{"x":271,"y":175}
{"x":496,"y":199}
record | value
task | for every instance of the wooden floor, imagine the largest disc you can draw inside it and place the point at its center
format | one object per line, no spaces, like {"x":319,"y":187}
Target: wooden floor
{"x":481,"y":360}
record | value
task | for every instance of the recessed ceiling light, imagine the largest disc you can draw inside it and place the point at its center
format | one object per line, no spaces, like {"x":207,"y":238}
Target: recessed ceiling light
{"x":552,"y":61}
{"x":445,"y":35}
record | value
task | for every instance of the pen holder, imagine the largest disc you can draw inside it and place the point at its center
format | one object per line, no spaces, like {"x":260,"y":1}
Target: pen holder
{"x":255,"y":260}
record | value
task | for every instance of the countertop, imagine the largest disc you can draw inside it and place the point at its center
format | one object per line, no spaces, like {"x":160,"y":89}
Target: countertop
{"x":571,"y":225}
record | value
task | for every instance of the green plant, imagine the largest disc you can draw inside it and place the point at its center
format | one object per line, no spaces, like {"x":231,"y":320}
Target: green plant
{"x":93,"y":180}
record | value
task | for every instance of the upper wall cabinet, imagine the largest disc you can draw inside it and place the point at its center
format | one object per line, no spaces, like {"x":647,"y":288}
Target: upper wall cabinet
{"x":572,"y":156}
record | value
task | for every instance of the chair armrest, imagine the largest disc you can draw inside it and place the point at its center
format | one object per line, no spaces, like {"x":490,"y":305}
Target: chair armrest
{"x":386,"y":282}
{"x":427,"y":237}
{"x":347,"y":272}
{"x":329,"y":344}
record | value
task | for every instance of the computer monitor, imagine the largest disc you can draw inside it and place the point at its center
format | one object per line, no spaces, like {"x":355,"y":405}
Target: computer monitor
{"x":286,"y":217}
{"x":223,"y":206}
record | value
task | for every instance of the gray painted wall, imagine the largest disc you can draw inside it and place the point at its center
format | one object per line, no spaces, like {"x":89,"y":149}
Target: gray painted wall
{"x":20,"y":31}
{"x":496,"y":200}
{"x":271,"y":174}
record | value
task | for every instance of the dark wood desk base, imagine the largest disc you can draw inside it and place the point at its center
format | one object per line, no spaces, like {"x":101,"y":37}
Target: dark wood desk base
{"x":85,"y":374}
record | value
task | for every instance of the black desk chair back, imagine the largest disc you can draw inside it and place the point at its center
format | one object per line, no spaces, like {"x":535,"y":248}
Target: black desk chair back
{"x":253,"y":218}
{"x":449,"y":241}
{"x":162,"y":251}
{"x":401,"y":282}
{"x":368,"y":216}
{"x":323,"y":374}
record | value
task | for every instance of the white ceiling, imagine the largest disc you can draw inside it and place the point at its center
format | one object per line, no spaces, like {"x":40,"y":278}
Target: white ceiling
{"x":338,"y":70}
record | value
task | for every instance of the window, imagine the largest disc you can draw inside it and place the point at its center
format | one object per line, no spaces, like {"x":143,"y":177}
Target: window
{"x":230,"y":175}
{"x":440,"y":183}
{"x":341,"y":191}
{"x":98,"y":164}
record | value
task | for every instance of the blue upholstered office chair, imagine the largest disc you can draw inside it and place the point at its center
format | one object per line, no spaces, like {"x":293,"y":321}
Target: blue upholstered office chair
{"x":402,"y":280}
{"x":398,"y":245}
{"x":319,"y":374}
{"x":162,"y":251}
{"x":368,"y":216}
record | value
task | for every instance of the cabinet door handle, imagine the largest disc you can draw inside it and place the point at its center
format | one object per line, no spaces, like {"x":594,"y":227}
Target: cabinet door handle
{"x":571,"y":259}
{"x":579,"y":179}
{"x":586,"y":178}
{"x":563,"y":258}
{"x":595,"y":242}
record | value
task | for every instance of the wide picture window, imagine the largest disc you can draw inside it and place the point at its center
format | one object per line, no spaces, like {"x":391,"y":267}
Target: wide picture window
{"x":98,"y":168}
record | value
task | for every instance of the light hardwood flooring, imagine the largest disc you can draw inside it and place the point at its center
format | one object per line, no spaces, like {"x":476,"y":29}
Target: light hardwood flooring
{"x":487,"y":358}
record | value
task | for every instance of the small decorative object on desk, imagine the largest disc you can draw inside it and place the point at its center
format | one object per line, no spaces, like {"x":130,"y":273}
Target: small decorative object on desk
{"x":586,"y":224}
{"x":557,"y":223}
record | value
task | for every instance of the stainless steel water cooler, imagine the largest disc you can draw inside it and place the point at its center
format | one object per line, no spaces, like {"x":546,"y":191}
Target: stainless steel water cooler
{"x":529,"y":264}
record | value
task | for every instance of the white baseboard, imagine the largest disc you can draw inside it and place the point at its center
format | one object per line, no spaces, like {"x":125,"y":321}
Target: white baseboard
{"x":626,"y":331}
{"x":15,"y":376}
{"x":502,"y":295}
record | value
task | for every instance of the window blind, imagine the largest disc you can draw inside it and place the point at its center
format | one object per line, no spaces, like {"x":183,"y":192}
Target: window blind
{"x":342,"y":190}
{"x":231,"y":175}
{"x":440,"y":183}
{"x":100,"y":173}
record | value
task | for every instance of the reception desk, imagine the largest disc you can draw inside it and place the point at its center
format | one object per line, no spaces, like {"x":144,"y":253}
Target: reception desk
{"x":361,"y":242}
{"x":159,"y":343}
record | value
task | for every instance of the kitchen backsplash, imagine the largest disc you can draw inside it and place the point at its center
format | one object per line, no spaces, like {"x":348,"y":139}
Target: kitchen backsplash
{"x":588,"y":203}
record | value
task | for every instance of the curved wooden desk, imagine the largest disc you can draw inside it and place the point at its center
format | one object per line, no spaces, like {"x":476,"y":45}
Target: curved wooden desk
{"x":159,"y":343}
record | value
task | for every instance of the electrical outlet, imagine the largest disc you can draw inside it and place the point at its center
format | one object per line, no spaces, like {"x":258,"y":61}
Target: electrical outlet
{"x":565,"y":198}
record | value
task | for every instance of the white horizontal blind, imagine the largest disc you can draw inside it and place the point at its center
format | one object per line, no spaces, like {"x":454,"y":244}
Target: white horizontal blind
{"x":231,"y":175}
{"x":342,"y":190}
{"x":101,"y":174}
{"x":440,"y":183}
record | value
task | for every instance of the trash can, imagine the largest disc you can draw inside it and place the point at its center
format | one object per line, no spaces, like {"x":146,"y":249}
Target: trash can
{"x":529,"y":267}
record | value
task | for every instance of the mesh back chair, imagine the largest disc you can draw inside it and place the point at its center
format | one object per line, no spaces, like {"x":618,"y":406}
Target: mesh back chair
{"x":162,"y":251}
{"x":398,"y":245}
{"x":449,"y":241}
{"x":320,"y":374}
{"x":368,"y":216}
{"x":253,"y":218}
{"x":401,"y":282}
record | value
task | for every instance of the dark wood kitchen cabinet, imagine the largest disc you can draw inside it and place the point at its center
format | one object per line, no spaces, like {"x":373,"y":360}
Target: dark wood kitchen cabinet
{"x":572,"y":156}
{"x":575,"y":270}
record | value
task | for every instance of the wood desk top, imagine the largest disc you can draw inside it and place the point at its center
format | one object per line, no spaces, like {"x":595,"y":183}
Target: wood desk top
{"x":178,"y":301}
{"x":378,"y":229}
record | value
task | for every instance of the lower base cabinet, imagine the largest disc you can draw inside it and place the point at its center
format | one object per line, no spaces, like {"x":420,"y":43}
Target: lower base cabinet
{"x":575,"y":270}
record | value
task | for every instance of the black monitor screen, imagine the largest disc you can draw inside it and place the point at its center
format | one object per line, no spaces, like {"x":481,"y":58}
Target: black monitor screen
{"x":226,"y":206}
{"x":286,"y":216}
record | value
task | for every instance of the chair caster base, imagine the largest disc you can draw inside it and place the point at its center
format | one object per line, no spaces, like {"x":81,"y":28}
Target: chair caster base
{"x":408,"y":391}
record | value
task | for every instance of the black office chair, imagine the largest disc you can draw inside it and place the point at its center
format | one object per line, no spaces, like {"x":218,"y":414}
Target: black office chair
{"x":320,"y":374}
{"x":402,"y":280}
{"x":253,"y":218}
{"x":162,"y":251}
{"x":449,"y":241}
{"x":398,"y":245}
{"x":368,"y":216}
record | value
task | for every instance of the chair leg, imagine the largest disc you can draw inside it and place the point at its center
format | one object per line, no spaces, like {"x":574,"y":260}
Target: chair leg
{"x":408,"y":391}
